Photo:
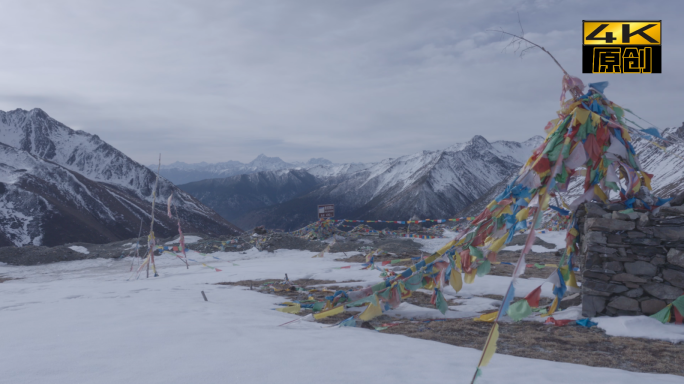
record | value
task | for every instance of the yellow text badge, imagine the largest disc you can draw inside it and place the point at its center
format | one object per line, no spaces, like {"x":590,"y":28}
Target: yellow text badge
{"x":622,"y":32}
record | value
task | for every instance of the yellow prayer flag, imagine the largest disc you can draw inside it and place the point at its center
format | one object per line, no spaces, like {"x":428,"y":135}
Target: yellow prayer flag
{"x":490,"y":347}
{"x":595,"y":118}
{"x":581,"y":115}
{"x":487,"y":317}
{"x":599,"y":192}
{"x":498,"y":244}
{"x":522,"y":215}
{"x":456,"y":280}
{"x":331,"y":312}
{"x":647,"y":180}
{"x":572,"y":280}
{"x":554,"y":305}
{"x":371,"y":312}
{"x":469,"y":277}
{"x":294,"y":308}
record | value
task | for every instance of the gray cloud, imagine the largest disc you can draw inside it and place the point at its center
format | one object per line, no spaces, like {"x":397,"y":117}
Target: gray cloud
{"x":353,"y":80}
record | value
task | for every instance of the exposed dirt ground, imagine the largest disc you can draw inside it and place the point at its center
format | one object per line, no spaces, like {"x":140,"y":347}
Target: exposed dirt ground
{"x":569,"y":344}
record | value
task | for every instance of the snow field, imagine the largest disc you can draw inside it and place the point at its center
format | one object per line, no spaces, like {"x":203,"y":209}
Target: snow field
{"x":84,"y":322}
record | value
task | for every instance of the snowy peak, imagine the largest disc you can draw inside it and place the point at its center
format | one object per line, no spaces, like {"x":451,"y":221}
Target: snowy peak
{"x":85,"y":184}
{"x":319,"y":161}
{"x":265,"y":160}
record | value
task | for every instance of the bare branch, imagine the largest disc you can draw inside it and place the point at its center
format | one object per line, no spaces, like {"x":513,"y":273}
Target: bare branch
{"x":517,"y":38}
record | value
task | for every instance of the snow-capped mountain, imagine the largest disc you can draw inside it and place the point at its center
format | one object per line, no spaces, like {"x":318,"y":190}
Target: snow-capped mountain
{"x":430,"y":184}
{"x":182,"y":173}
{"x":667,"y":167}
{"x":61,"y":185}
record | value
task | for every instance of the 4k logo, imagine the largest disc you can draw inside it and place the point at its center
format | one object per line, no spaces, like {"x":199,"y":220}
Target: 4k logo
{"x":621,"y":47}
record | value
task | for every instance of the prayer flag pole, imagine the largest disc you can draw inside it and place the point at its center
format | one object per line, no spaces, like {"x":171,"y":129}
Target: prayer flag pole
{"x":150,"y":238}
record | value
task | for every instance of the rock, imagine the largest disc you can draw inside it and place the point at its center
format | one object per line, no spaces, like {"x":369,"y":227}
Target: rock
{"x":677,"y":200}
{"x":667,"y":211}
{"x":658,"y":260}
{"x":626,"y":277}
{"x":595,"y":238}
{"x":622,"y":252}
{"x":615,"y":207}
{"x":613,"y":266}
{"x":592,"y":305}
{"x":643,"y":220}
{"x":602,"y":250}
{"x":570,"y":301}
{"x":663,"y":291}
{"x":645,"y":251}
{"x":644,"y":241}
{"x":635,"y":234}
{"x":641,"y":268}
{"x":595,"y":275}
{"x":594,"y":210}
{"x":651,"y":306}
{"x":624,"y":303}
{"x":619,"y":216}
{"x":607,"y":225}
{"x":634,"y":293}
{"x":658,"y":279}
{"x":668,"y":233}
{"x":604,"y":287}
{"x":675,"y":257}
{"x":675,"y":278}
{"x":613,"y":238}
{"x":587,"y":291}
{"x":631,"y":285}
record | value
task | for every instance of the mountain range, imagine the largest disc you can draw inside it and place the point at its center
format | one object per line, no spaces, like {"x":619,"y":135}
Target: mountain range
{"x":58,"y":185}
{"x":181,"y":173}
{"x":428,"y":184}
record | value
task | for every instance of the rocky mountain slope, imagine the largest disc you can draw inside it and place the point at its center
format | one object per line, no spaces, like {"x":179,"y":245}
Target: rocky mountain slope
{"x":429,"y":184}
{"x":58,"y":185}
{"x":234,"y":196}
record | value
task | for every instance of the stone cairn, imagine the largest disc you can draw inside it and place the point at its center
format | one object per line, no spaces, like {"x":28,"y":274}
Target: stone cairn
{"x":633,"y":263}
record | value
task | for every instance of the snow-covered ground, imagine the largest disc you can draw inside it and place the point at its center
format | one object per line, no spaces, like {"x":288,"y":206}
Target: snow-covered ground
{"x":85,"y":322}
{"x":188,"y":240}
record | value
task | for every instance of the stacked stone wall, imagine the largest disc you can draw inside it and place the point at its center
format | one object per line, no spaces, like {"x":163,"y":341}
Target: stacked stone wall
{"x":632,"y":263}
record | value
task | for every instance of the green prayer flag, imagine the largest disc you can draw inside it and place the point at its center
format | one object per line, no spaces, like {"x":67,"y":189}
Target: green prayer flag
{"x":519,"y":310}
{"x":664,"y":315}
{"x":538,"y":265}
{"x":475,"y":252}
{"x":441,"y":303}
{"x":414,"y":282}
{"x":484,"y":268}
{"x":385,"y":294}
{"x":318,"y":306}
{"x":379,"y":286}
{"x":679,"y":304}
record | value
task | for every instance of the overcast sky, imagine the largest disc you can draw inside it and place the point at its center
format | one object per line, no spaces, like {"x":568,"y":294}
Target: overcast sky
{"x":348,"y":80}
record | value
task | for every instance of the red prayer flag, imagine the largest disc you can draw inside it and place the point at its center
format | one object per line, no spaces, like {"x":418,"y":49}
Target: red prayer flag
{"x":678,"y":316}
{"x":533,"y":297}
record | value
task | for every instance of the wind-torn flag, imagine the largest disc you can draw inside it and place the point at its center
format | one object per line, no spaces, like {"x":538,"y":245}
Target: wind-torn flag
{"x":168,"y":206}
